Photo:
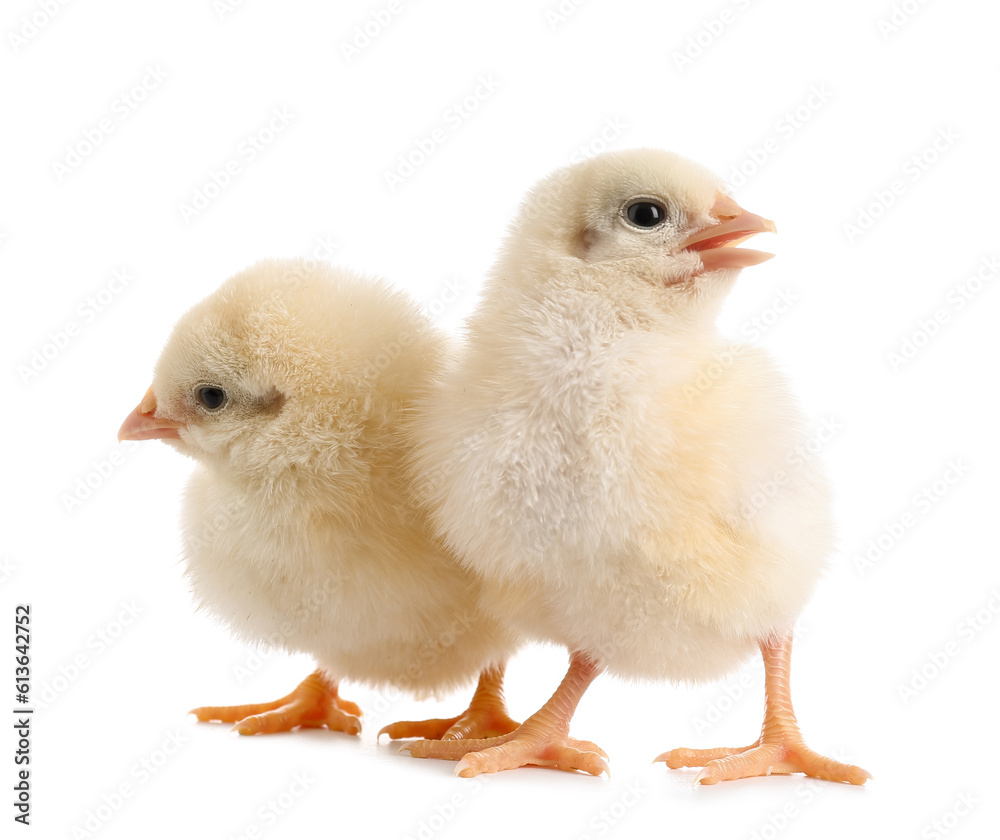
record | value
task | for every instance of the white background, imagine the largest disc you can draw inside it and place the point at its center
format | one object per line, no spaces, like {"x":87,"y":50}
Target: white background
{"x":810,"y":111}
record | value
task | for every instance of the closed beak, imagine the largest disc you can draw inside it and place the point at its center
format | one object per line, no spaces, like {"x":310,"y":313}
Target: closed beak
{"x":143,"y":424}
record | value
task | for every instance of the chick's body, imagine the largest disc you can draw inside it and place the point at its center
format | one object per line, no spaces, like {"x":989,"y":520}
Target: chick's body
{"x":614,"y":509}
{"x":291,"y":386}
{"x":597,"y":451}
{"x":340,"y":585}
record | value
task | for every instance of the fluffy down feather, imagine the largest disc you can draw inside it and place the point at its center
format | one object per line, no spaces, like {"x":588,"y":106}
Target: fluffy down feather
{"x":300,"y":527}
{"x":594,"y":449}
{"x":618,"y":439}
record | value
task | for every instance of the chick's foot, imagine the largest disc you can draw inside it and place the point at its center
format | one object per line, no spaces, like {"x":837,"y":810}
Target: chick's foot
{"x":313,"y":704}
{"x":486,"y":716}
{"x":542,"y":740}
{"x":784,"y":755}
{"x":521,"y":748}
{"x":780,"y":748}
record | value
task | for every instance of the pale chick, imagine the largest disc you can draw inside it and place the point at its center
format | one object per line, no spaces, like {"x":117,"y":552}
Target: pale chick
{"x":290,"y":386}
{"x":595,"y":449}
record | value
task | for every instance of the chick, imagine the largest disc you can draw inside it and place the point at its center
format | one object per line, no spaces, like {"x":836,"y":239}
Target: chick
{"x":594,"y":450}
{"x":291,"y":386}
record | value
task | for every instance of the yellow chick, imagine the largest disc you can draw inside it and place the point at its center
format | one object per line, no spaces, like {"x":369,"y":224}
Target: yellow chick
{"x":594,"y":450}
{"x":291,"y":386}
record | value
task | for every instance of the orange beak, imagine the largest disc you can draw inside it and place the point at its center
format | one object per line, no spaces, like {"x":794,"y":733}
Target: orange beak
{"x":143,"y":424}
{"x":715,"y":244}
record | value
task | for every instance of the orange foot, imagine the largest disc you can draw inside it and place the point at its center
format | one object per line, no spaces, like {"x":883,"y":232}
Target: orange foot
{"x":314,"y":703}
{"x":780,"y":747}
{"x":486,"y":716}
{"x":542,"y":740}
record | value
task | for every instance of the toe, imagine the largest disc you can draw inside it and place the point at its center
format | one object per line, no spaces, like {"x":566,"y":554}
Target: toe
{"x":584,"y":761}
{"x":588,"y":746}
{"x":760,"y":761}
{"x":257,"y":724}
{"x":559,"y":754}
{"x":684,"y":757}
{"x":819,"y":766}
{"x":490,"y":760}
{"x":231,"y":714}
{"x":432,"y":729}
{"x":340,"y":722}
{"x":349,"y":708}
{"x":447,"y":750}
{"x":207,"y":713}
{"x":479,"y":727}
{"x":282,"y":719}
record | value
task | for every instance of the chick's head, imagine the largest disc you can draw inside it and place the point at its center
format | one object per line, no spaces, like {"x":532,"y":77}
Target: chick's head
{"x":285,"y":368}
{"x":647,"y":212}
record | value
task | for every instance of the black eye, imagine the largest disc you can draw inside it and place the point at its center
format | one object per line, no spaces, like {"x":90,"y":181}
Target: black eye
{"x":646,"y":214}
{"x":211,"y":397}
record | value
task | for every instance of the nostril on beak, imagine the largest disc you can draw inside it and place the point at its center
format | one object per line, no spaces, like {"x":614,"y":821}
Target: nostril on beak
{"x":725,"y":208}
{"x":148,"y":404}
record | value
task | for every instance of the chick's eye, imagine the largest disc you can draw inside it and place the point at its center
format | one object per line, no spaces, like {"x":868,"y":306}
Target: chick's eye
{"x":211,"y":397}
{"x":646,"y":214}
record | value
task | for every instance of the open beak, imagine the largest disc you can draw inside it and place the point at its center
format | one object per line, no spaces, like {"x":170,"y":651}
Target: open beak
{"x":716,"y":244}
{"x":143,"y":424}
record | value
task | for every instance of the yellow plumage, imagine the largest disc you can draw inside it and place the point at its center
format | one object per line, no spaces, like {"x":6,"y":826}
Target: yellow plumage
{"x":618,"y":439}
{"x":300,"y":526}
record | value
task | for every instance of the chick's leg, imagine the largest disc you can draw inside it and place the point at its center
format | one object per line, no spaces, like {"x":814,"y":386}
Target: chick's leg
{"x":314,"y":703}
{"x":543,"y":739}
{"x":486,"y":716}
{"x":780,"y":748}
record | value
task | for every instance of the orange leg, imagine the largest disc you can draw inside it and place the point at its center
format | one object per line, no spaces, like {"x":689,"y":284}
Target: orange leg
{"x":314,"y":703}
{"x":780,"y":748}
{"x":543,"y":739}
{"x":486,"y":716}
